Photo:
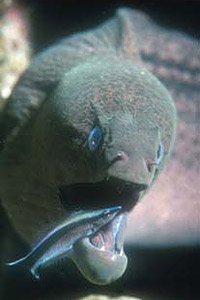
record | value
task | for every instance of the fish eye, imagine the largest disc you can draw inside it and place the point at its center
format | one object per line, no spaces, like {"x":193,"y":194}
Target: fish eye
{"x":160,"y":153}
{"x":108,"y":215}
{"x":95,"y":138}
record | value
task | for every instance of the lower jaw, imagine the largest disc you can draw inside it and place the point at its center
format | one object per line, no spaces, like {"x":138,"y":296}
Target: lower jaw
{"x":102,"y":262}
{"x":100,"y":267}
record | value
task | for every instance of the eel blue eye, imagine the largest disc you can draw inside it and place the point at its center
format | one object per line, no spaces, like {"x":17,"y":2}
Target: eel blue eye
{"x":160,"y":153}
{"x":94,"y":138}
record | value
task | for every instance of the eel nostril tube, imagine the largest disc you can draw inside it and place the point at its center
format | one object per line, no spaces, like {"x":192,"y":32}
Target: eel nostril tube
{"x":150,"y":165}
{"x":120,"y":156}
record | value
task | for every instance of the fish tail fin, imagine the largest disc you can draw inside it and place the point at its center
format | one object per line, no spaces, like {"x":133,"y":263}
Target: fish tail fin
{"x":35,"y":273}
{"x":24,"y":262}
{"x":17,"y":262}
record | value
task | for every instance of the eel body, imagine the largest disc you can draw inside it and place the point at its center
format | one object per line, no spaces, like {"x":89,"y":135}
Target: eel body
{"x":89,"y":127}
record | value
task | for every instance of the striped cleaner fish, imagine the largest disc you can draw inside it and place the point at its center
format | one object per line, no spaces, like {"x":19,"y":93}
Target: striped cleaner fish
{"x":60,"y":241}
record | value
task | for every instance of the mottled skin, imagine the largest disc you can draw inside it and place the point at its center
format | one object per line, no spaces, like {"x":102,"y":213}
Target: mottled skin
{"x":96,"y":77}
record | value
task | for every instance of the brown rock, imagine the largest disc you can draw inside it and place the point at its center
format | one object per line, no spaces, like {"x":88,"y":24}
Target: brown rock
{"x":14,"y":46}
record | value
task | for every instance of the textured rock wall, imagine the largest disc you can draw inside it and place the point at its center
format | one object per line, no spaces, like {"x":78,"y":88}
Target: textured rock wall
{"x":14,"y":46}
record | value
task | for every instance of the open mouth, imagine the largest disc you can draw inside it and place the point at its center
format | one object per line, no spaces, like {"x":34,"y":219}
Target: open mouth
{"x":100,"y":256}
{"x":111,"y":236}
{"x":109,"y":192}
{"x":106,"y":193}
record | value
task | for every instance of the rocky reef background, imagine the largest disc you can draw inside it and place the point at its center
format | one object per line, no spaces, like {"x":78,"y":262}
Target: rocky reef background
{"x":14,"y":46}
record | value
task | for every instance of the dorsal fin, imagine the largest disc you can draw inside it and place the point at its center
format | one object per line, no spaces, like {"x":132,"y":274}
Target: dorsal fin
{"x":128,"y":44}
{"x":117,"y":34}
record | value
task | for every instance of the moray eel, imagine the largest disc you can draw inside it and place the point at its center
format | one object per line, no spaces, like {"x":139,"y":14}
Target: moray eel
{"x":87,"y":127}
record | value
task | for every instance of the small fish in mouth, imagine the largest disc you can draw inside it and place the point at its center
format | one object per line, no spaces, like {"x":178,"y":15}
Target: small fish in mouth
{"x":99,"y":232}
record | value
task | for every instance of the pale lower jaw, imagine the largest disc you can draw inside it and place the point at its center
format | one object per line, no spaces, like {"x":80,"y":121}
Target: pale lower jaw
{"x":100,"y":267}
{"x":101,"y":258}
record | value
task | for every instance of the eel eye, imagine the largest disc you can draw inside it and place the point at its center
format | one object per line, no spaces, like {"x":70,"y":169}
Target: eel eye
{"x":94,"y":138}
{"x":160,"y":153}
